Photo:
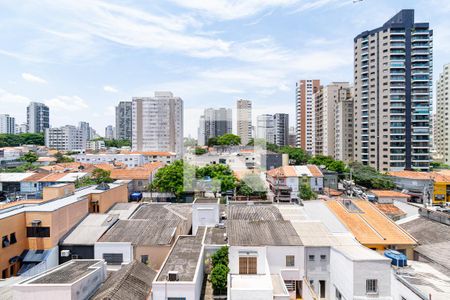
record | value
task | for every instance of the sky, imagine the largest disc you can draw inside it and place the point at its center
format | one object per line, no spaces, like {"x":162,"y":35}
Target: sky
{"x":82,"y":57}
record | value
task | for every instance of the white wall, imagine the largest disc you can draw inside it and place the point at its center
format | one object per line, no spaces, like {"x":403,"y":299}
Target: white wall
{"x":276,"y":257}
{"x":318,"y":269}
{"x":108,"y":247}
{"x":204,"y":214}
{"x":380,"y":270}
{"x":31,"y":292}
{"x":234,"y":253}
{"x":341,"y":275}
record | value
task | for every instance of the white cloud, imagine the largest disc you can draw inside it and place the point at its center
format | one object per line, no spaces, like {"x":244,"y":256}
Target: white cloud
{"x":10,"y":98}
{"x":67,"y":103}
{"x":33,"y":78}
{"x":110,"y":89}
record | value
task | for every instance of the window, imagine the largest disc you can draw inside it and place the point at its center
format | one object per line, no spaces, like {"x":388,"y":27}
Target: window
{"x":113,"y":258}
{"x":5,"y":241}
{"x":12,"y":238}
{"x":38,"y":232}
{"x":311,"y":257}
{"x":290,"y":260}
{"x":247,"y":265}
{"x":323,"y":257}
{"x":371,"y":286}
{"x":144,"y":259}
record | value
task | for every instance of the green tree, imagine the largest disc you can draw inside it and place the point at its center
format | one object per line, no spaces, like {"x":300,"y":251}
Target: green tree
{"x":297,"y":156}
{"x":101,"y":176}
{"x":29,"y":157}
{"x":329,"y":163}
{"x":219,"y":278}
{"x":174,"y":178}
{"x":200,"y":151}
{"x":212,"y":142}
{"x":369,"y":177}
{"x":190,"y":142}
{"x":220,"y":257}
{"x":117,"y":143}
{"x":228,"y":139}
{"x":61,"y":158}
{"x":11,"y":140}
{"x":219,"y":172}
{"x":306,"y":193}
{"x":84,"y":181}
{"x":251,"y":185}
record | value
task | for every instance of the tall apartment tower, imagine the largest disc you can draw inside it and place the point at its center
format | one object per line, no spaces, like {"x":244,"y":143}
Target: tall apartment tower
{"x":7,"y":124}
{"x":305,"y":90}
{"x":343,"y":126}
{"x":393,"y":79}
{"x":110,"y":132}
{"x":214,"y":123}
{"x":292,"y":136}
{"x":265,"y":128}
{"x":158,"y":123}
{"x":38,"y":117}
{"x":442,"y":117}
{"x":124,"y":120}
{"x":244,"y":120}
{"x":325,"y":114}
{"x":281,"y":129}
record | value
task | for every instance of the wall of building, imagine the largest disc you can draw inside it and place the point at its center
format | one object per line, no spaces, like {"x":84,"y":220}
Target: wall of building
{"x":43,"y":292}
{"x":14,"y":224}
{"x":110,"y":197}
{"x":126,"y":249}
{"x":340,"y":279}
{"x":276,"y":257}
{"x":204,"y":215}
{"x":234,"y":252}
{"x":319,"y":269}
{"x":156,"y":254}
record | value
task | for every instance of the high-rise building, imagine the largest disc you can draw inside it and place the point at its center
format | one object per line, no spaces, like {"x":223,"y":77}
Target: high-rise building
{"x":7,"y":124}
{"x":325,"y":114}
{"x":265,"y":128}
{"x":292,"y":139}
{"x":158,"y":123}
{"x":124,"y":121}
{"x":214,"y":123}
{"x":21,"y":128}
{"x":305,"y":90}
{"x":38,"y":117}
{"x":65,"y":138}
{"x":442,"y":117}
{"x":244,"y":120}
{"x":109,"y":132}
{"x":343,"y":126}
{"x":86,"y":133}
{"x":393,"y":79}
{"x":281,"y":129}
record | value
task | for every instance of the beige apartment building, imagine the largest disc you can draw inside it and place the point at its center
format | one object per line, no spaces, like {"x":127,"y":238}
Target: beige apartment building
{"x":325,"y":116}
{"x":244,"y":120}
{"x":442,"y":118}
{"x":393,"y":70}
{"x":305,"y":113}
{"x":343,"y":125}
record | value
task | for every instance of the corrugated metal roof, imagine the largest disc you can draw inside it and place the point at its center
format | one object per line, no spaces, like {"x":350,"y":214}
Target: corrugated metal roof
{"x":253,"y":212}
{"x":90,"y":229}
{"x":14,"y":177}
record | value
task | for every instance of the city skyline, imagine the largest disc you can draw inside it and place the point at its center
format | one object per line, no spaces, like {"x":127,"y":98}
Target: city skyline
{"x":80,"y":84}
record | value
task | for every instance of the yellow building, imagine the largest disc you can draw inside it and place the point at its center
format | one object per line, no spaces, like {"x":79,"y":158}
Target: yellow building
{"x":40,"y":224}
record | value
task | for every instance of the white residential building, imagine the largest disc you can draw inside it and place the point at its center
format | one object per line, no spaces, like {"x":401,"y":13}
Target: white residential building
{"x":306,"y":128}
{"x":244,"y":120}
{"x":7,"y":124}
{"x":265,"y":128}
{"x":110,"y":132}
{"x":38,"y":117}
{"x":158,"y":123}
{"x":65,"y":138}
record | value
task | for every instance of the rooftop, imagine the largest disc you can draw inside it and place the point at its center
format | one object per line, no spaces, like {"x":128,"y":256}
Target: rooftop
{"x":53,"y":205}
{"x":360,"y":253}
{"x":262,"y":233}
{"x":184,"y":257}
{"x":389,"y":193}
{"x":391,"y":210}
{"x":132,"y":281}
{"x":142,"y":232}
{"x":296,"y":171}
{"x":90,"y":229}
{"x":368,"y":224}
{"x":438,"y":253}
{"x":67,"y":273}
{"x":316,"y":234}
{"x":163,"y":211}
{"x":138,"y":173}
{"x":318,"y":210}
{"x":436,"y":176}
{"x":207,"y":200}
{"x":426,"y":231}
{"x":253,"y":212}
{"x":215,"y":236}
{"x":123,"y":210}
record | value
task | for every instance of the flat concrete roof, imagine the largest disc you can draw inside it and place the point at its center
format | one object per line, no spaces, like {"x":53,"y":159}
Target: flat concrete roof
{"x":90,"y":229}
{"x":207,"y":200}
{"x":66,"y":273}
{"x":123,"y":210}
{"x":215,"y":236}
{"x":317,"y":210}
{"x":360,"y":253}
{"x":184,"y":257}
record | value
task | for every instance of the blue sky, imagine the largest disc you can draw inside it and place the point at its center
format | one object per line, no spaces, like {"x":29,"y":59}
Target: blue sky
{"x":81,"y":57}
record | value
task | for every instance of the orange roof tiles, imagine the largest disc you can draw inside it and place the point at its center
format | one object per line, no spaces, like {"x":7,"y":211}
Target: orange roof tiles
{"x":72,"y":166}
{"x":53,"y":177}
{"x":390,"y":209}
{"x":139,"y":173}
{"x":46,"y":159}
{"x":315,"y":171}
{"x":284,"y":171}
{"x":35,"y":177}
{"x":388,"y":193}
{"x":371,"y":227}
{"x":436,"y":176}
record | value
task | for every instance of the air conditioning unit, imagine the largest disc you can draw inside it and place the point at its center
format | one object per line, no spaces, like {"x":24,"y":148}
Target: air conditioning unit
{"x":172,"y":275}
{"x":65,"y":253}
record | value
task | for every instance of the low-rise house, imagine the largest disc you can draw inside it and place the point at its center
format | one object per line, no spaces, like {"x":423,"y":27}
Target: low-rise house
{"x":389,"y":196}
{"x":147,"y":236}
{"x":140,"y":177}
{"x":130,"y":160}
{"x":285,"y":181}
{"x":76,"y":279}
{"x":31,"y":229}
{"x":181,"y":274}
{"x":371,"y":227}
{"x":133,"y":281}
